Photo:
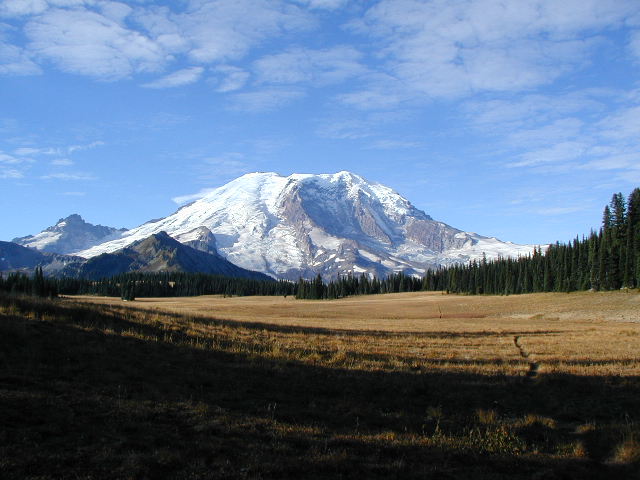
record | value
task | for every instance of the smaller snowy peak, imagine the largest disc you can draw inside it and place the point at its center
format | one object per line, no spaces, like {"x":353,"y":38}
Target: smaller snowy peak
{"x":72,"y":220}
{"x":69,"y":235}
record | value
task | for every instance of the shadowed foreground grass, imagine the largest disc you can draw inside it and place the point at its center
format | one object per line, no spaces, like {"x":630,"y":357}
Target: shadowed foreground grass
{"x":110,"y":392}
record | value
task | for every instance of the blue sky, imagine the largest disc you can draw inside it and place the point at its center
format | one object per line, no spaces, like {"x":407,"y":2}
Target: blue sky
{"x":515,"y":119}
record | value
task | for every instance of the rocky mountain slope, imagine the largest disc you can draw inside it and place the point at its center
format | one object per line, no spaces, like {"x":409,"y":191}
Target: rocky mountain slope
{"x":16,"y":258}
{"x":160,"y":253}
{"x":305,"y":224}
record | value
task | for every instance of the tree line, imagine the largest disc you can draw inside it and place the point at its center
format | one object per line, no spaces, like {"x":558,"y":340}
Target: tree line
{"x":37,"y":284}
{"x":128,"y":286}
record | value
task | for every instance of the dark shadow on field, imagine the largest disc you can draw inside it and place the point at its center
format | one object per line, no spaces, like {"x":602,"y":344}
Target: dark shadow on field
{"x":78,"y":403}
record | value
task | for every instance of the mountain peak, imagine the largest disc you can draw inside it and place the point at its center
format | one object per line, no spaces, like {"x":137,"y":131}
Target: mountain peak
{"x":68,"y":235}
{"x":309,"y":224}
{"x":74,"y":217}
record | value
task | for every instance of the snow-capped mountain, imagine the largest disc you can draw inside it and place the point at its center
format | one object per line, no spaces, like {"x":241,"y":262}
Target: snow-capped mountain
{"x":304,"y":225}
{"x":69,"y":235}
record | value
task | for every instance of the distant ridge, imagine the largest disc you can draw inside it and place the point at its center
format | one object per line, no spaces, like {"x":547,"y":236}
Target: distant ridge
{"x":161,"y":253}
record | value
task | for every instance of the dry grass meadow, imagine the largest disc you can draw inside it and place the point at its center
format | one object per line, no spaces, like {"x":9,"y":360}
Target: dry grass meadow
{"x":415,"y":385}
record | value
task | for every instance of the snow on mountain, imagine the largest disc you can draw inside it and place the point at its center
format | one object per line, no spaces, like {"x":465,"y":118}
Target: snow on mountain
{"x":305,"y":224}
{"x":68,"y":235}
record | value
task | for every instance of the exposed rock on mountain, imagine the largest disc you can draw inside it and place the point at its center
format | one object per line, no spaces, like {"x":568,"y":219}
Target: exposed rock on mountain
{"x":16,"y":258}
{"x":161,"y":253}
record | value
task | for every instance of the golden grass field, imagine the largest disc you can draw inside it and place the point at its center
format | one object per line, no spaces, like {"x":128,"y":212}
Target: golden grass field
{"x":413,"y":385}
{"x":582,"y":333}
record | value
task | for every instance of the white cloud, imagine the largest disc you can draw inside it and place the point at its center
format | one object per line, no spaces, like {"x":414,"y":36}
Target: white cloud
{"x":507,"y":114}
{"x":16,"y":61}
{"x":13,"y":8}
{"x":634,"y":44}
{"x":10,"y":173}
{"x":112,"y":40}
{"x":450,"y":49}
{"x":553,"y":211}
{"x":9,"y":159}
{"x":299,"y":65}
{"x":116,"y":11}
{"x":234,"y":78}
{"x":88,"y":146}
{"x":179,"y":78}
{"x":394,"y":145}
{"x":557,"y":153}
{"x":618,"y":161}
{"x":37,"y":151}
{"x":323,"y":4}
{"x":379,"y":97}
{"x":69,"y":176}
{"x":357,"y":127}
{"x":62,"y":162}
{"x":264,"y":100}
{"x":86,"y":42}
{"x":182,"y":199}
{"x":557,"y":131}
{"x":228,"y":164}
{"x":345,"y":129}
{"x":226,"y":30}
{"x":26,"y":151}
{"x":623,"y":124}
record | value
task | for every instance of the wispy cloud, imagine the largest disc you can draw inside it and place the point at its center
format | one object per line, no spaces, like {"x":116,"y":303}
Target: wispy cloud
{"x":622,"y":124}
{"x":52,"y":151}
{"x":15,"y":61}
{"x":224,"y":166}
{"x":634,"y":44}
{"x":309,"y":66}
{"x":87,"y":146}
{"x":227,"y":164}
{"x":16,"y":8}
{"x":323,"y":4}
{"x":79,"y":176}
{"x":179,"y":78}
{"x":554,"y":211}
{"x":62,"y":162}
{"x":265,"y":100}
{"x":6,"y":172}
{"x":557,"y":153}
{"x":28,"y":151}
{"x":233,"y":78}
{"x":448,"y":49}
{"x":89,"y":43}
{"x":394,"y":145}
{"x":9,"y":159}
{"x":559,"y":130}
{"x":222,"y":31}
{"x":345,"y":129}
{"x":183,"y":199}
